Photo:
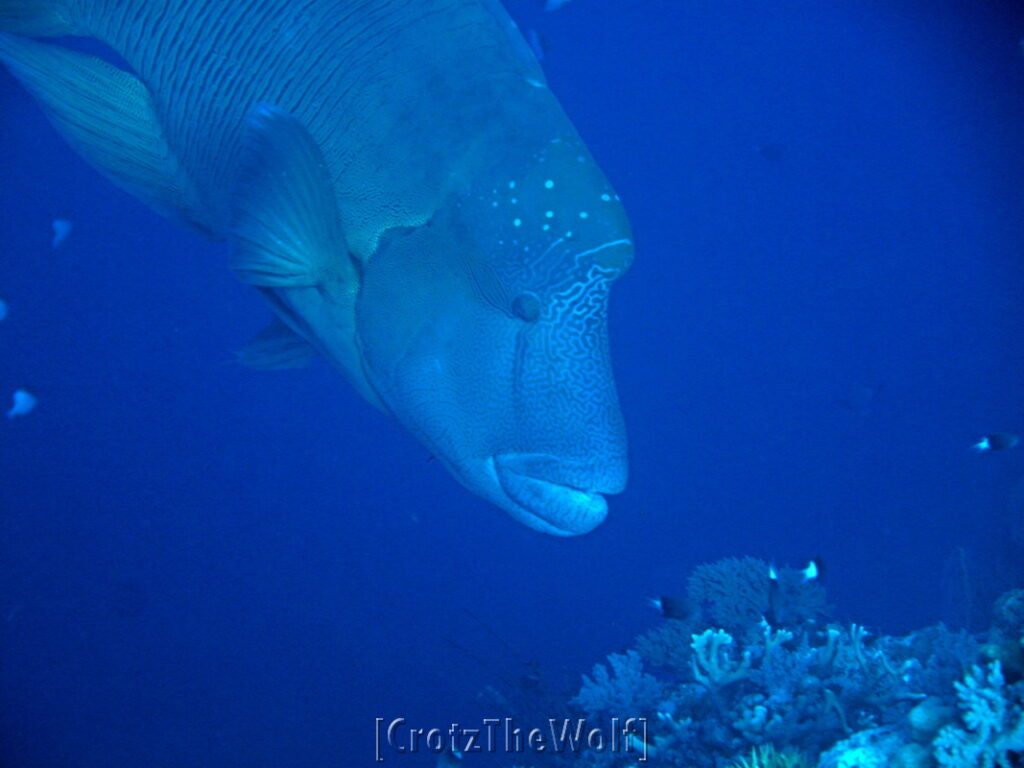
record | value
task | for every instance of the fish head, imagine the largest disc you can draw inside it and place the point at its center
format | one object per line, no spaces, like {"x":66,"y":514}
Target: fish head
{"x":484,"y":331}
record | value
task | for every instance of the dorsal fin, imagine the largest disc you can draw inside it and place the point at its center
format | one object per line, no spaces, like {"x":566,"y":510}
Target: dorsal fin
{"x":531,"y":67}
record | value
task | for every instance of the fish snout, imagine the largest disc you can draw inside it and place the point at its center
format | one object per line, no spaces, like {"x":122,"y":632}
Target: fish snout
{"x":556,"y":495}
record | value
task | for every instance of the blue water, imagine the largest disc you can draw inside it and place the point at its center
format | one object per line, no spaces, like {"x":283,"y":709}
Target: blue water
{"x":204,"y":565}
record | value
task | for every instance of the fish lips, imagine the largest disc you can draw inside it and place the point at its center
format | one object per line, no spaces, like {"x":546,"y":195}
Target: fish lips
{"x":546,"y":495}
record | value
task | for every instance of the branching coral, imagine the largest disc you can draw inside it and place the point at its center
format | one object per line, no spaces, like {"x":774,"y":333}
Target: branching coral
{"x":626,"y":691}
{"x":837,"y":695}
{"x":668,"y":646}
{"x":737,"y":593}
{"x":712,"y":664}
{"x":733,"y":590}
{"x":993,"y":716}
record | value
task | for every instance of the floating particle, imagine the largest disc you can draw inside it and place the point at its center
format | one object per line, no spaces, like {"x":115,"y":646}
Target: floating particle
{"x":4,"y":310}
{"x":24,"y":402}
{"x":61,"y":230}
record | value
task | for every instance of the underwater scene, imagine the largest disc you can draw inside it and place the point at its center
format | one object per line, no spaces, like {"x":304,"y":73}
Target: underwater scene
{"x":527,"y":383}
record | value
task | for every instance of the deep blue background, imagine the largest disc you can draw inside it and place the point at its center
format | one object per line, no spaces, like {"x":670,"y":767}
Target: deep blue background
{"x":203,"y":565}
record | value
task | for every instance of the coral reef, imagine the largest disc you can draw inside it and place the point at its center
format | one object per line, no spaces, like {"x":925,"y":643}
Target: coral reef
{"x":1006,"y":635}
{"x":626,"y":688}
{"x":754,"y":680}
{"x":992,"y":731}
{"x":734,"y":591}
{"x":767,"y":756}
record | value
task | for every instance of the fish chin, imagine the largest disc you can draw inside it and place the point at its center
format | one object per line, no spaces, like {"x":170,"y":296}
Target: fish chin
{"x":547,"y":505}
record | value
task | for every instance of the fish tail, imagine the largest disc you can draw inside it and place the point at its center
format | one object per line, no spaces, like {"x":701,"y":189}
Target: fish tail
{"x":38,"y":18}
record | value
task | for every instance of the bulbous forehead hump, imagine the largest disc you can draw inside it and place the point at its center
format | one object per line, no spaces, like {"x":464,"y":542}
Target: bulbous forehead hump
{"x":555,"y":203}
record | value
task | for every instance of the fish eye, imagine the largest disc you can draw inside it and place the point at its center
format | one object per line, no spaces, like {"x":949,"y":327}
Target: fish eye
{"x":526,"y":307}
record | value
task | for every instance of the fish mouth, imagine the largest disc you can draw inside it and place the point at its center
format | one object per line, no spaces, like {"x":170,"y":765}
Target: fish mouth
{"x":545,"y":496}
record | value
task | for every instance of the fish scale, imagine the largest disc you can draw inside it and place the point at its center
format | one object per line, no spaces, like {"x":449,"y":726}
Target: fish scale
{"x":204,"y":84}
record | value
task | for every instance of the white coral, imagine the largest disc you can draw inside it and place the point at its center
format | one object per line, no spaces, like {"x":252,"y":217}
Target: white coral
{"x":712,"y":664}
{"x":995,"y":723}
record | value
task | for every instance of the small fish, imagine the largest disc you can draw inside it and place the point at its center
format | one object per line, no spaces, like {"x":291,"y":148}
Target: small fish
{"x":61,"y":230}
{"x":813,"y":571}
{"x":777,"y":613}
{"x":554,"y":5}
{"x":24,"y":402}
{"x":4,"y":310}
{"x":673,"y":607}
{"x":997,"y":441}
{"x":771,"y":615}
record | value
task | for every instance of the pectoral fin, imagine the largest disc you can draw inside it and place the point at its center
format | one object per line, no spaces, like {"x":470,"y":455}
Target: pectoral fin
{"x":276,"y":346}
{"x":106,"y":114}
{"x":286,"y":225}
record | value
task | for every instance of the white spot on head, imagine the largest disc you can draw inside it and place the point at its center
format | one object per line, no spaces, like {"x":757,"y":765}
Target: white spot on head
{"x":517,"y":222}
{"x":514,"y":200}
{"x":549,"y":184}
{"x":606,"y":197}
{"x":584,"y":215}
{"x":546,"y":227}
{"x":549,"y":214}
{"x":494,"y":203}
{"x":511,"y":185}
